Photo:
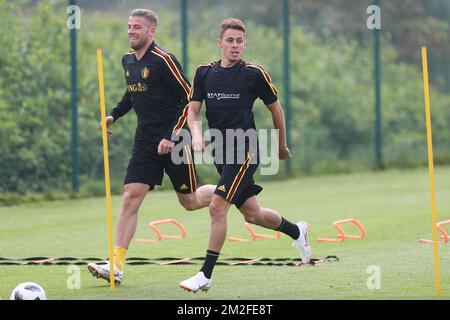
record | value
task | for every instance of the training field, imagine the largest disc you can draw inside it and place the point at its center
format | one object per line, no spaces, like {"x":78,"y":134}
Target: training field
{"x":393,"y":206}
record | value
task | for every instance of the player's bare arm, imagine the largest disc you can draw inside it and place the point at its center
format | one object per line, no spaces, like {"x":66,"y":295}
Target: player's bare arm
{"x":280,"y":124}
{"x":198,"y":144}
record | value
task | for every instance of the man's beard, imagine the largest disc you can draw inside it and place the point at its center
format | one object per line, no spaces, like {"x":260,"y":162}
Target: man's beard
{"x":139,"y":45}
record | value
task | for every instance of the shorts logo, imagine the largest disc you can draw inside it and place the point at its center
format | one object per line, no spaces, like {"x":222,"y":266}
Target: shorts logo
{"x":127,"y":73}
{"x":183,"y":187}
{"x":222,"y":188}
{"x":145,"y":73}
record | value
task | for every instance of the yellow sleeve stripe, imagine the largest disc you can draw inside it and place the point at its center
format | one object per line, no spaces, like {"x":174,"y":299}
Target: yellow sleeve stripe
{"x":182,"y":120}
{"x":168,"y":60}
{"x":191,"y":93}
{"x":177,"y":74}
{"x":266,"y":77}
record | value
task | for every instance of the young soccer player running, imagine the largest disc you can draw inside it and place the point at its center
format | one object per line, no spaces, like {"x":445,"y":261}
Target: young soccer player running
{"x":230,"y":88}
{"x":158,"y":91}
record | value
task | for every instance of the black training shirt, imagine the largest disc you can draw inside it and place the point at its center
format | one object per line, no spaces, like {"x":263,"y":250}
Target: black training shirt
{"x":229,"y":95}
{"x":158,"y":91}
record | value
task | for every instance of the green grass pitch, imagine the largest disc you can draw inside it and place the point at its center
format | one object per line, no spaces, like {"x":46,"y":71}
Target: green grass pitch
{"x":394,"y":206}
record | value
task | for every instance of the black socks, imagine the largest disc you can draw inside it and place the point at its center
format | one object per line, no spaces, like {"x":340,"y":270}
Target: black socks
{"x":289,"y":228}
{"x":210,"y":262}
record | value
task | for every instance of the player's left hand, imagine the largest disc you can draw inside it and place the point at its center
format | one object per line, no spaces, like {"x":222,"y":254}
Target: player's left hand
{"x":165,"y":147}
{"x":284,"y":153}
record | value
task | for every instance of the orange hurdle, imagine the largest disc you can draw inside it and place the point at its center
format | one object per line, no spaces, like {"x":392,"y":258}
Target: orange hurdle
{"x":444,"y":236}
{"x":254,"y":235}
{"x":159,"y":235}
{"x":342,"y":235}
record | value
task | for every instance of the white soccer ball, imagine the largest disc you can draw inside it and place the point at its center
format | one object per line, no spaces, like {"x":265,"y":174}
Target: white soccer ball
{"x":28,"y":291}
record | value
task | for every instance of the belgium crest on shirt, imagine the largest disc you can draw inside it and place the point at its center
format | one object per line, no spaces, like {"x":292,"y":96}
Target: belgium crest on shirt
{"x":145,"y":73}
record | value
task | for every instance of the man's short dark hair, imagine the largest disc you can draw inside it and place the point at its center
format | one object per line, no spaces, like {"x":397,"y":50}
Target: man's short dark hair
{"x":231,"y":23}
{"x":147,"y":14}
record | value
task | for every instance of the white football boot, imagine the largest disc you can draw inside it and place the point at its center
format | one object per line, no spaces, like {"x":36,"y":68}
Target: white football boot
{"x":302,"y":242}
{"x":102,"y":271}
{"x":197,"y":282}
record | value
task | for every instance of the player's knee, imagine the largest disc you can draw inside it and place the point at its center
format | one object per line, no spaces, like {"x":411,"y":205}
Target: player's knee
{"x":251,"y":216}
{"x":216,"y":210}
{"x":189,"y":204}
{"x":253,"y":219}
{"x":130,"y":197}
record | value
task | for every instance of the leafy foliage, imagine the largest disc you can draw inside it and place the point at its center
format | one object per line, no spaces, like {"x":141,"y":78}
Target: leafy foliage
{"x":332,"y":94}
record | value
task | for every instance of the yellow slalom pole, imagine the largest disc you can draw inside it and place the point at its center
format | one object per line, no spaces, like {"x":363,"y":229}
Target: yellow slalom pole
{"x":431,"y":168}
{"x":106,"y":162}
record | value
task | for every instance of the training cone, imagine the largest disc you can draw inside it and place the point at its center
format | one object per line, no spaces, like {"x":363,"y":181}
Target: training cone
{"x":342,"y":235}
{"x":159,"y":235}
{"x":444,"y":236}
{"x":254,"y":235}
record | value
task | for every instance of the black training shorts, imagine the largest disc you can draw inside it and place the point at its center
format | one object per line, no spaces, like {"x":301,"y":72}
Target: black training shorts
{"x":236,"y":183}
{"x":147,"y":167}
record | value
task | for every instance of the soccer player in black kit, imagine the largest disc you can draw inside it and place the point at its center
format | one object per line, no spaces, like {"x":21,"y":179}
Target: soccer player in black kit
{"x":229,"y":88}
{"x":158,"y":91}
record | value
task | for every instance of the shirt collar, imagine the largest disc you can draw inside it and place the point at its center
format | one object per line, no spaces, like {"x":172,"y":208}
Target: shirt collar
{"x":241,"y":62}
{"x":149,"y":49}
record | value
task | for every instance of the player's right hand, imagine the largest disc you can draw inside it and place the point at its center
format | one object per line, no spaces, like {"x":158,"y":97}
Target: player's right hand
{"x":198,"y":144}
{"x":109,"y":122}
{"x":284,"y":153}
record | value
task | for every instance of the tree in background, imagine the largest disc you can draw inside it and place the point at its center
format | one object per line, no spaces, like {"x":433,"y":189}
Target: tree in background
{"x":331,"y":74}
